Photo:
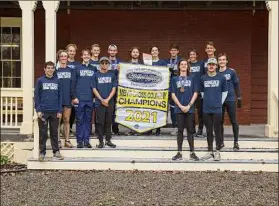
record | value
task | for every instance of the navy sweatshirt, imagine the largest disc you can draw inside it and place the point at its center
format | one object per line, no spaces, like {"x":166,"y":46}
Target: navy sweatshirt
{"x":82,"y":82}
{"x":73,"y":64}
{"x":113,"y":66}
{"x":160,"y":62}
{"x":233,"y":84}
{"x":212,"y":87}
{"x":65,"y":76}
{"x":197,"y":71}
{"x":103,"y":83}
{"x":190,"y":87}
{"x":95,"y":64}
{"x":47,"y":94}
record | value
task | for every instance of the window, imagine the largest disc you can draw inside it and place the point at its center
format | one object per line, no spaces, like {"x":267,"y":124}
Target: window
{"x":10,"y":57}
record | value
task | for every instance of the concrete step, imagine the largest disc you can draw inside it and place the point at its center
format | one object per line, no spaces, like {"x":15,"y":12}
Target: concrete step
{"x":153,"y":152}
{"x":117,"y":163}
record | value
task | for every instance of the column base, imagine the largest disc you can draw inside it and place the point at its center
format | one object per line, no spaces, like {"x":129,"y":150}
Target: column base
{"x":26,"y":128}
{"x":269,"y":131}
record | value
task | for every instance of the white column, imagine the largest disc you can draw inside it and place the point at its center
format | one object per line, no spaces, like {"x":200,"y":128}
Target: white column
{"x":28,"y":8}
{"x":271,"y":129}
{"x":51,"y":8}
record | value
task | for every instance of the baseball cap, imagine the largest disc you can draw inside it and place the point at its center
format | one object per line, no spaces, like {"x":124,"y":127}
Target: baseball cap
{"x":212,"y":61}
{"x":104,"y":59}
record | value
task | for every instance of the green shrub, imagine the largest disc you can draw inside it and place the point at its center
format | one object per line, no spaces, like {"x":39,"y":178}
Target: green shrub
{"x":4,"y":160}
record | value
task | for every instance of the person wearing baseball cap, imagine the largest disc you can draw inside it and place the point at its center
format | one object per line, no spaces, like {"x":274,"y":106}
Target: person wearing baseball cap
{"x":104,"y":88}
{"x":214,"y":92}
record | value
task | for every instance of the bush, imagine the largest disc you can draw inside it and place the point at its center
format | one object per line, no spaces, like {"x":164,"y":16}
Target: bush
{"x":4,"y":160}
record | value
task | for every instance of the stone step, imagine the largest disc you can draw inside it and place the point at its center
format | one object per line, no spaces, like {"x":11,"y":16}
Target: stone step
{"x":252,"y":154}
{"x":155,"y":164}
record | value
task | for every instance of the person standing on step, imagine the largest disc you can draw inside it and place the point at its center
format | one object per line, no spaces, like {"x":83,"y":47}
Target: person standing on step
{"x":214,"y":91}
{"x":65,"y":76}
{"x":184,"y":92}
{"x":229,"y":104}
{"x":114,"y":67}
{"x":82,"y":91}
{"x":48,"y":105}
{"x":71,"y":50}
{"x":172,"y":65}
{"x":156,"y":61}
{"x":197,"y":70}
{"x":104,"y":88}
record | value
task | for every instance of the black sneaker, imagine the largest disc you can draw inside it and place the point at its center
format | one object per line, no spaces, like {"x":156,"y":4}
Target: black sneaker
{"x":199,"y":133}
{"x":87,"y":145}
{"x":236,"y":147}
{"x":110,"y":144}
{"x":178,"y":156}
{"x":100,"y":145}
{"x":79,"y":145}
{"x":158,"y":132}
{"x":193,"y":156}
{"x":222,"y":146}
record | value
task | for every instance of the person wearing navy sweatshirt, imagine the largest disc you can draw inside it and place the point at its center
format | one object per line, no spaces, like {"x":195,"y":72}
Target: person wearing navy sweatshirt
{"x":82,"y":91}
{"x":65,"y":76}
{"x":210,"y":53}
{"x":229,"y":104}
{"x":48,"y":105}
{"x":214,"y":91}
{"x":184,"y":91}
{"x":114,"y":67}
{"x":104,"y":88}
{"x":95,"y":52}
{"x":197,"y":70}
{"x":71,"y":50}
{"x":156,"y":61}
{"x":172,"y":65}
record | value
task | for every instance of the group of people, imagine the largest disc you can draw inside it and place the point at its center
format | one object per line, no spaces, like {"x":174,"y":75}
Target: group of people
{"x":86,"y":92}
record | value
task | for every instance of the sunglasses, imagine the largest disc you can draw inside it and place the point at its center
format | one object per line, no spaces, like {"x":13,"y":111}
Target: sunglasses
{"x":105,"y":63}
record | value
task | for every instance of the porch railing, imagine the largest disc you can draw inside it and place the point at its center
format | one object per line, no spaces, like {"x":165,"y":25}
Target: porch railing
{"x":11,"y":108}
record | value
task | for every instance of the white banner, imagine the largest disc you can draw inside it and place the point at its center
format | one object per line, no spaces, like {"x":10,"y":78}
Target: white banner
{"x":142,"y":96}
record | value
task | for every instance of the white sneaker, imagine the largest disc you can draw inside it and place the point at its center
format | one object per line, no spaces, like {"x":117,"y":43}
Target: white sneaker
{"x":208,"y":156}
{"x":217,"y":156}
{"x":174,"y":131}
{"x":185,"y":133}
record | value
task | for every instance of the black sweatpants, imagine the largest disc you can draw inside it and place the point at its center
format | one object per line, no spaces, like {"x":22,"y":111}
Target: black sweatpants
{"x":53,"y":121}
{"x":103,"y":122}
{"x":213,"y":122}
{"x":198,"y":106}
{"x":231,"y":109}
{"x":185,"y":120}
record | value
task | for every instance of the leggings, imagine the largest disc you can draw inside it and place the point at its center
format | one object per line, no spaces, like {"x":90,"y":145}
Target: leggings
{"x":198,"y":106}
{"x":185,"y":120}
{"x":230,"y":107}
{"x":213,"y":122}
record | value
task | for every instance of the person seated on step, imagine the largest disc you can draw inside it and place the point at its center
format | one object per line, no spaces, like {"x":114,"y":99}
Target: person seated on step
{"x":104,"y":88}
{"x":48,"y":105}
{"x":83,"y":99}
{"x":214,"y":91}
{"x":184,"y":93}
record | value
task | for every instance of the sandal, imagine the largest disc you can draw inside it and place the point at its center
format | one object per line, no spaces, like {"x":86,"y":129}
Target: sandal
{"x":68,"y":144}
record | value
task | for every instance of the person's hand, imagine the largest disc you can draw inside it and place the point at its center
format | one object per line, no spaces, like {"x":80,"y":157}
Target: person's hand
{"x":75,"y":101}
{"x":183,"y":109}
{"x":105,"y":102}
{"x":40,"y":114}
{"x":239,"y":102}
{"x":188,"y":108}
{"x":59,"y":115}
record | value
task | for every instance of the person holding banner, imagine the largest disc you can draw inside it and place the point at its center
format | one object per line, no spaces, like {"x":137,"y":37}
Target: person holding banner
{"x":104,"y":88}
{"x":214,"y":91}
{"x":184,"y":93}
{"x":82,"y":91}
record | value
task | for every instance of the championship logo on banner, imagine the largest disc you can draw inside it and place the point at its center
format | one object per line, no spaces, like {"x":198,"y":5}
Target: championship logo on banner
{"x":142,"y":96}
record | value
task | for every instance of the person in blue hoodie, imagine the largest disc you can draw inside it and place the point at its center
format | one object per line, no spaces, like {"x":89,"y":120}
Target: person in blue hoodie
{"x":65,"y":76}
{"x":72,"y":63}
{"x":104,"y":88}
{"x":197,"y":70}
{"x":184,"y":91}
{"x":114,"y":67}
{"x":229,"y":104}
{"x":82,"y":94}
{"x":172,"y":65}
{"x":214,"y":91}
{"x":48,"y":105}
{"x":156,"y":61}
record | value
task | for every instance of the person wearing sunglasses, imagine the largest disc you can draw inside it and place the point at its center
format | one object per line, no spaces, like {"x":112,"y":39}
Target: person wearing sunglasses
{"x":104,"y":88}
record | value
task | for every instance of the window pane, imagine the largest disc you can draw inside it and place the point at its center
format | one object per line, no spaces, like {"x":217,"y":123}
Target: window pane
{"x":16,"y":53}
{"x":16,"y":35}
{"x":16,"y":69}
{"x":6,"y":35}
{"x":16,"y":82}
{"x":7,"y":69}
{"x":7,"y":82}
{"x":6,"y":52}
